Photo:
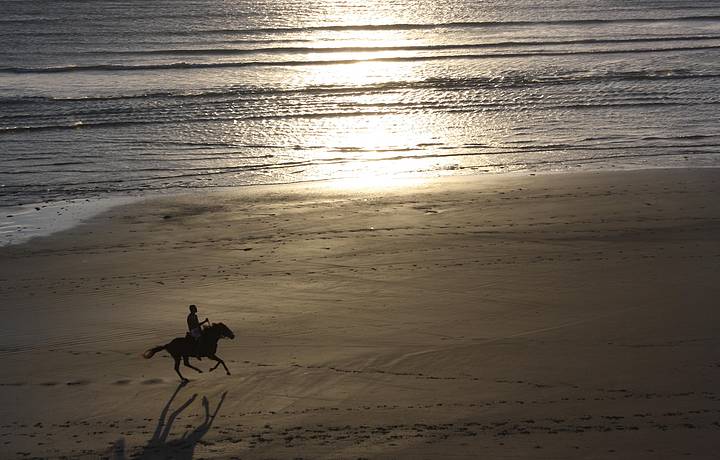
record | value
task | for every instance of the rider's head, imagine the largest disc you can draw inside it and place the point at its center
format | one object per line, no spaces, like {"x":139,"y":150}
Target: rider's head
{"x":193,"y":308}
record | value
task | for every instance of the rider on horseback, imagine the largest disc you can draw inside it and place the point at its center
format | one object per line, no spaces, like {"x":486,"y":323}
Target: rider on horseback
{"x":194,"y":325}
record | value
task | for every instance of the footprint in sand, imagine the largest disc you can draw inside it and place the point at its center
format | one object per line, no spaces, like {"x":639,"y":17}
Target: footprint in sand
{"x":78,"y":382}
{"x":122,"y":382}
{"x":152,"y":381}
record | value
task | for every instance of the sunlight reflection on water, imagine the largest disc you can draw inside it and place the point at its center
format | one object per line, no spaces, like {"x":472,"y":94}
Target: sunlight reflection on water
{"x":265,"y":92}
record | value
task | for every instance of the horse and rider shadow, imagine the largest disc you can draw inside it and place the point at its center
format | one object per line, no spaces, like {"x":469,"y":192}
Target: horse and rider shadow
{"x":183,"y":447}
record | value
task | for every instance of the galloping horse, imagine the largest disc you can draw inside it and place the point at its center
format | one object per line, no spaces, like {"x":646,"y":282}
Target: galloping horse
{"x":185,"y":348}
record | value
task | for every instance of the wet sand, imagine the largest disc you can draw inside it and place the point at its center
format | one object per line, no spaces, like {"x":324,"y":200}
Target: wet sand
{"x":549,"y":316}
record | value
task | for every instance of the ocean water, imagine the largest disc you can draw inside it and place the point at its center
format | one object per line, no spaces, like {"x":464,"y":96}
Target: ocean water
{"x":109,"y":97}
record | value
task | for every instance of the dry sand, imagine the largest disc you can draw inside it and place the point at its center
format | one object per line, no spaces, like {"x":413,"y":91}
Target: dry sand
{"x":553,"y":316}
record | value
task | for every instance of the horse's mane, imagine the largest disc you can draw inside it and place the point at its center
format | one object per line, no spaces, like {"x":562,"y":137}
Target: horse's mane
{"x":219,"y":328}
{"x":215,"y":327}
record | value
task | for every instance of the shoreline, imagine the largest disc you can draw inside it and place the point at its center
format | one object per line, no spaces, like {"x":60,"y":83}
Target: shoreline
{"x":562,"y":316}
{"x":21,"y":223}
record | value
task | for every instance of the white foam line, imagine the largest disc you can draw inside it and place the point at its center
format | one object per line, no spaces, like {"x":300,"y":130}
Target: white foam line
{"x":19,"y":224}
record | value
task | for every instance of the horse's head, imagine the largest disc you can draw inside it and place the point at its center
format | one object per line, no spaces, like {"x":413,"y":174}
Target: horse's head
{"x":224,"y":330}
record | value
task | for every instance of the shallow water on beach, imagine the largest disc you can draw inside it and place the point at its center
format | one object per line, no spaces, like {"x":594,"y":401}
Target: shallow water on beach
{"x":100,"y":98}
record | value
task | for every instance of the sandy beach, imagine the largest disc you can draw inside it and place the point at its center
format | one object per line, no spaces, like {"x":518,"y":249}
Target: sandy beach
{"x":557,"y":316}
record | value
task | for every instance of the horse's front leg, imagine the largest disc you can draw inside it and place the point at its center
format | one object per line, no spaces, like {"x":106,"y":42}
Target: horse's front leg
{"x":186,"y":361}
{"x":219,"y":361}
{"x":177,"y":369}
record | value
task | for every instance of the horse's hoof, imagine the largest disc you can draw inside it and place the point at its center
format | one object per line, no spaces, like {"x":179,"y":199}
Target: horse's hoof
{"x":210,"y":370}
{"x":228,"y":373}
{"x":199,"y":371}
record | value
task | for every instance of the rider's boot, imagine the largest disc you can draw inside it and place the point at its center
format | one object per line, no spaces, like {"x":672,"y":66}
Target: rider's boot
{"x":197,"y":350}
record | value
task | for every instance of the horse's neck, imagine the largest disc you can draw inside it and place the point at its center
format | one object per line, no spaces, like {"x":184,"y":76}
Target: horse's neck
{"x":212,"y":334}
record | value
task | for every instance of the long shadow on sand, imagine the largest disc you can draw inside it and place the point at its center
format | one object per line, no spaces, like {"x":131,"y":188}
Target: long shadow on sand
{"x":158,"y":447}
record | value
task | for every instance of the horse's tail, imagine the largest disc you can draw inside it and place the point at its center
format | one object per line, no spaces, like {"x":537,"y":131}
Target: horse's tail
{"x":151,"y":352}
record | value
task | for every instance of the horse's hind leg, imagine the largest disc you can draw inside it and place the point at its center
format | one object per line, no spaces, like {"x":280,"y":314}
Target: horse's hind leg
{"x":186,"y":361}
{"x":220,"y":361}
{"x":177,"y":368}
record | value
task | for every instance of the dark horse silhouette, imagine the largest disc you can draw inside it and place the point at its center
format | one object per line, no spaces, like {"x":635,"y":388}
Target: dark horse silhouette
{"x":186,"y":347}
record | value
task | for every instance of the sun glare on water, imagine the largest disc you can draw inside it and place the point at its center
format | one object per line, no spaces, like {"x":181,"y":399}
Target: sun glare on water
{"x":377,"y":150}
{"x":379,"y":143}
